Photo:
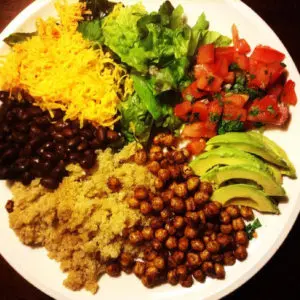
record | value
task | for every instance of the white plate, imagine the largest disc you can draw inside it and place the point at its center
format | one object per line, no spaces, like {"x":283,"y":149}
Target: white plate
{"x":37,"y":268}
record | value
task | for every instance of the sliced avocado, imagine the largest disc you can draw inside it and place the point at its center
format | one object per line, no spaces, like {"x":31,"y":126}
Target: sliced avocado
{"x":225,"y":155}
{"x":276,"y":173}
{"x":249,"y":143}
{"x":290,"y":169}
{"x":219,"y":175}
{"x":247,"y":195}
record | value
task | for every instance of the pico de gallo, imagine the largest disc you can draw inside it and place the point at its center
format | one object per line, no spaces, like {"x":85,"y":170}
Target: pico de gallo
{"x":234,"y":90}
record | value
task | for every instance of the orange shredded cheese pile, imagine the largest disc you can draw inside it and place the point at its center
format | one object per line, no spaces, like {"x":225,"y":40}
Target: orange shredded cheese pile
{"x":61,"y":69}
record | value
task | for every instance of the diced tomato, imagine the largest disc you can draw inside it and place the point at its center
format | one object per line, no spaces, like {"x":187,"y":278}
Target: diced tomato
{"x":196,"y":147}
{"x":243,"y":47}
{"x":215,"y":110}
{"x":201,"y":109}
{"x":221,"y":67}
{"x":199,"y":71}
{"x":283,"y":115}
{"x":235,"y":36}
{"x":225,"y":52}
{"x":202,"y":82}
{"x":276,"y":90}
{"x":264,"y":110}
{"x":181,"y":110}
{"x":214,"y":84}
{"x":199,"y":129}
{"x":289,"y":95}
{"x":230,"y":78}
{"x":206,"y":54}
{"x":267,"y":55}
{"x":242,"y":61}
{"x":191,"y":92}
{"x":238,"y":100}
{"x":275,"y":70}
{"x":232,"y":112}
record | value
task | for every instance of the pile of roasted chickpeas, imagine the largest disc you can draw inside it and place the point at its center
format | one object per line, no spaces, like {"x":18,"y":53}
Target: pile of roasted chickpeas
{"x":188,"y":236}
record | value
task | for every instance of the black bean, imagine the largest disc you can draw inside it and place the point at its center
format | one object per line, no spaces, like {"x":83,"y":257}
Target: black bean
{"x":3,"y":147}
{"x":73,"y":142}
{"x":86,"y":133}
{"x":22,"y":127}
{"x":57,"y":114}
{"x":45,"y":167}
{"x":35,"y":130}
{"x":58,"y":136}
{"x":36,"y":143}
{"x":21,"y":165}
{"x":36,"y":173}
{"x":34,"y":111}
{"x":68,"y":132}
{"x":50,"y":183}
{"x":101,"y":134}
{"x":19,"y":137}
{"x":42,"y":121}
{"x":4,"y":172}
{"x":23,"y":115}
{"x":35,"y":162}
{"x":95,"y":144}
{"x":9,"y":155}
{"x":48,"y":146}
{"x":50,"y":156}
{"x":82,"y":146}
{"x":112,"y":135}
{"x":87,"y":162}
{"x":26,"y":178}
{"x":26,"y":151}
{"x":60,"y":125}
{"x":74,"y":157}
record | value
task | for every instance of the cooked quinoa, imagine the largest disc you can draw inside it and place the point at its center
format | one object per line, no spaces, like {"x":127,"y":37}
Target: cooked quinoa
{"x":81,"y":223}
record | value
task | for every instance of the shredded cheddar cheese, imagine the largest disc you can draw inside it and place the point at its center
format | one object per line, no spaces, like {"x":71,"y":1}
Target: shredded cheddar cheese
{"x":61,"y":69}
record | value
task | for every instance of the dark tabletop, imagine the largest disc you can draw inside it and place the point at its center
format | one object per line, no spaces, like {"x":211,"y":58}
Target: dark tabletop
{"x":280,"y":277}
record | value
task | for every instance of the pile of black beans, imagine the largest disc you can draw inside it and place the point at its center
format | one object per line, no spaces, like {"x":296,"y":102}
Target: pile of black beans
{"x":35,"y":145}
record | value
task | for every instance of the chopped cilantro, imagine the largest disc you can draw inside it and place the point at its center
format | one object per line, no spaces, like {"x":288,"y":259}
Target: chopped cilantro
{"x":283,"y":64}
{"x":214,"y":117}
{"x":258,"y":124}
{"x":252,"y":76}
{"x":218,"y":96}
{"x":254,"y":111}
{"x":234,"y":67}
{"x":270,"y":109}
{"x":230,"y":126}
{"x":250,"y":228}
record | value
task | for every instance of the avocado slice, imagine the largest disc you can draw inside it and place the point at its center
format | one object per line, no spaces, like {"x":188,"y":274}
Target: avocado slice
{"x":247,"y":195}
{"x":226,"y":155}
{"x":257,"y":144}
{"x":219,"y":175}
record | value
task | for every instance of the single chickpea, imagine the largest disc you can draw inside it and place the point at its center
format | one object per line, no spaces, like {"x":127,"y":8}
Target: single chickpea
{"x":126,"y":259}
{"x":241,"y":238}
{"x":229,"y":258}
{"x":168,"y":140}
{"x":135,"y":237}
{"x":113,"y":270}
{"x":156,"y":156}
{"x":178,"y":257}
{"x":186,"y":171}
{"x":171,"y":243}
{"x":201,"y":198}
{"x":190,"y":232}
{"x":133,"y":203}
{"x":191,"y":217}
{"x":153,"y":167}
{"x":211,"y":210}
{"x":140,"y":157}
{"x":218,"y":258}
{"x":156,"y":222}
{"x":145,"y":208}
{"x":161,"y":234}
{"x":226,"y":229}
{"x":190,"y":204}
{"x":174,"y":171}
{"x":193,"y":183}
{"x":224,"y":240}
{"x":147,"y":233}
{"x":139,"y":268}
{"x":177,"y":205}
{"x":197,"y":245}
{"x":164,"y":163}
{"x":141,"y":193}
{"x":164,"y":174}
{"x":213,"y":246}
{"x":219,"y":271}
{"x":172,"y":277}
{"x":238,"y":224}
{"x":233,"y":211}
{"x":156,"y":245}
{"x":181,"y":190}
{"x":182,"y":272}
{"x":170,"y":228}
{"x":179,"y":157}
{"x":241,"y":253}
{"x":205,"y":255}
{"x":155,"y":149}
{"x":193,"y":259}
{"x":202,"y":216}
{"x":183,"y":244}
{"x":247,"y":213}
{"x":165,"y":214}
{"x":225,"y":217}
{"x":208,"y":268}
{"x":114,"y":184}
{"x":199,"y":275}
{"x":178,"y":222}
{"x":188,"y":282}
{"x":158,"y":183}
{"x":159,"y":263}
{"x":167,"y":196}
{"x":157,"y":204}
{"x":206,"y":187}
{"x":151,"y":273}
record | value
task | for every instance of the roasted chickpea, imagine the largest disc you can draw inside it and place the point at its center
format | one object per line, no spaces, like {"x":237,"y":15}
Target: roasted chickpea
{"x":238,"y":224}
{"x":174,"y":171}
{"x":199,"y":275}
{"x":140,"y":157}
{"x":205,"y":255}
{"x":177,"y":205}
{"x":224,"y":240}
{"x":229,"y":258}
{"x":201,"y":198}
{"x":193,"y":183}
{"x":172,"y":277}
{"x":206,"y":187}
{"x":156,"y":245}
{"x":241,"y":253}
{"x":190,"y":204}
{"x":168,"y":140}
{"x":188,"y":282}
{"x":241,"y":238}
{"x":225,"y":217}
{"x":181,"y":190}
{"x":178,"y":257}
{"x":167,"y":196}
{"x":156,"y":222}
{"x":171,"y":243}
{"x":218,"y":258}
{"x":158,"y":138}
{"x":155,"y":149}
{"x":141,"y":193}
{"x":147,"y":282}
{"x":193,"y":259}
{"x":206,"y":239}
{"x":149,"y":254}
{"x":211,"y":210}
{"x":179,"y":157}
{"x":233,"y":211}
{"x":126,"y":259}
{"x":114,"y":184}
{"x":219,"y":271}
{"x":151,"y":273}
{"x":164,"y":165}
{"x":202,"y":216}
{"x":139,"y":268}
{"x":135,"y":237}
{"x":158,"y":183}
{"x":208,"y":268}
{"x":147,"y":233}
{"x":197,"y":245}
{"x":183,"y":244}
{"x":178,"y":222}
{"x":213,"y":246}
{"x":226,"y":229}
{"x":113,"y":269}
{"x":247,"y":213}
{"x":190,"y":232}
{"x":153,"y":167}
{"x":165,"y":213}
{"x":170,"y":228}
{"x":9,"y":206}
{"x":145,"y":207}
{"x":157,"y":204}
{"x":133,"y":203}
{"x":159,"y":263}
{"x":161,"y":234}
{"x":164,"y":174}
{"x":156,"y":156}
{"x":182,"y":272}
{"x":186,"y":171}
{"x":191,"y":217}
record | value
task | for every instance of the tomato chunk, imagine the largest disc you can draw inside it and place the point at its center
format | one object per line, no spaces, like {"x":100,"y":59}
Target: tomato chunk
{"x":221,"y":67}
{"x":276,"y":90}
{"x":215,"y":110}
{"x":206,"y":54}
{"x":289,"y":95}
{"x":191,"y":92}
{"x":235,"y":36}
{"x":239,"y":100}
{"x":267,"y":55}
{"x":181,"y":110}
{"x":196,"y":147}
{"x":243,"y":47}
{"x":214,"y":84}
{"x":230,"y":78}
{"x":225,"y":52}
{"x":199,"y":129}
{"x":242,"y":61}
{"x":201,"y":109}
{"x":232,"y":112}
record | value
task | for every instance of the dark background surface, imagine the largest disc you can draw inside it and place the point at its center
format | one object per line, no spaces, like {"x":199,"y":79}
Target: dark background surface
{"x":281,"y":276}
